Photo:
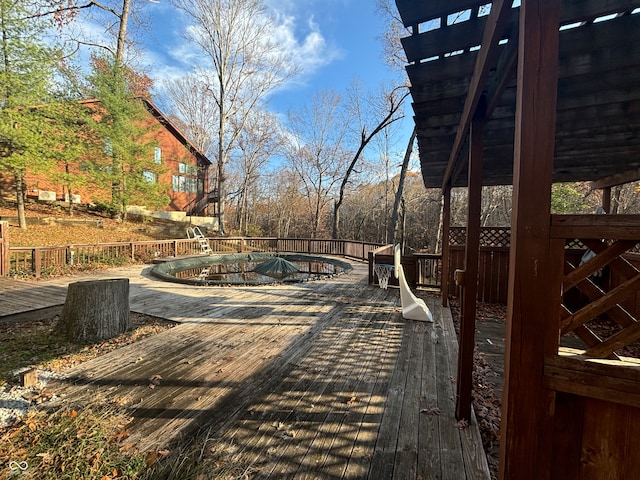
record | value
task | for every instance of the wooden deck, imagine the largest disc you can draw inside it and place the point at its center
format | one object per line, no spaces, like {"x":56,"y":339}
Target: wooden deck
{"x":313,"y":380}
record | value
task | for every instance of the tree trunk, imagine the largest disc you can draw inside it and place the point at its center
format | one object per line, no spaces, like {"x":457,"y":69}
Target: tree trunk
{"x":396,"y":204}
{"x":20,"y":188}
{"x":96,"y":310}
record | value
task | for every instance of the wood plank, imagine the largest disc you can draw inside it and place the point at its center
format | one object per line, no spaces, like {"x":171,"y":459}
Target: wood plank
{"x":602,"y":258}
{"x":608,"y":380}
{"x":330,"y":446}
{"x":593,"y":292}
{"x":497,"y":22}
{"x":383,"y":460}
{"x":406,"y":461}
{"x":617,"y":179}
{"x":608,"y":301}
{"x":622,"y":338}
{"x":621,"y":227}
{"x":608,"y":444}
{"x":568,"y":423}
{"x":474,"y":457}
{"x":429,"y":448}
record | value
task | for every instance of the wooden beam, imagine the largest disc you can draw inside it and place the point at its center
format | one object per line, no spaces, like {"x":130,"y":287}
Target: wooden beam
{"x":496,"y":23}
{"x":456,"y":37}
{"x":535,"y":266}
{"x":470,"y":288}
{"x":618,"y":179}
{"x":607,"y":380}
{"x":621,"y":227}
{"x":446,"y":229}
{"x":606,"y":199}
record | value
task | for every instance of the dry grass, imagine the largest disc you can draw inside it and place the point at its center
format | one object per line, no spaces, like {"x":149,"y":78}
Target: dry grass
{"x":41,"y":235}
{"x":70,"y":444}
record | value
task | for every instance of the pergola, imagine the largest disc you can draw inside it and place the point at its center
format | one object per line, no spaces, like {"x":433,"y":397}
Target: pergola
{"x":546,"y":91}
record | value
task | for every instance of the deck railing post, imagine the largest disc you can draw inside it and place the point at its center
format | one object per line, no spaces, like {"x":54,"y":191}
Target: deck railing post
{"x":36,"y":262}
{"x":4,"y":248}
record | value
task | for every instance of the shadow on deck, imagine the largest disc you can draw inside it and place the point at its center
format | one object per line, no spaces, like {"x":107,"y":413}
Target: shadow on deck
{"x":318,"y":380}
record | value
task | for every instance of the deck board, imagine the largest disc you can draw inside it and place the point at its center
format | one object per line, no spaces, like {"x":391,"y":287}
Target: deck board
{"x":316,"y":380}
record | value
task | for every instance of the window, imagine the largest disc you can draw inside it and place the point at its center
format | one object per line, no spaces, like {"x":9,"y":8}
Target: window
{"x":149,"y":177}
{"x":108,"y":147}
{"x":181,"y":183}
{"x":157,"y":155}
{"x":188,"y":169}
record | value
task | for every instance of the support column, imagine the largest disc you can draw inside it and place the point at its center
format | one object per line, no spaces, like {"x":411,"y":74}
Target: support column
{"x":532,"y":319}
{"x":446,"y":228}
{"x":470,"y":288}
{"x":606,"y":199}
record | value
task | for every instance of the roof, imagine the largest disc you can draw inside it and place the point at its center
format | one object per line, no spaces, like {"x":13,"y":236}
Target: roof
{"x":598,"y":104}
{"x":169,"y":125}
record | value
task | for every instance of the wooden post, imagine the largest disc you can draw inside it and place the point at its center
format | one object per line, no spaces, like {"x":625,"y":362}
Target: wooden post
{"x":527,"y":412}
{"x":446,"y":230}
{"x":606,"y":199}
{"x":470,"y":288}
{"x":4,"y":248}
{"x":36,"y":262}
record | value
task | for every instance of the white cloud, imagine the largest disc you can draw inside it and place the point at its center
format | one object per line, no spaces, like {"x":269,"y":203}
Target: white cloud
{"x":305,"y":44}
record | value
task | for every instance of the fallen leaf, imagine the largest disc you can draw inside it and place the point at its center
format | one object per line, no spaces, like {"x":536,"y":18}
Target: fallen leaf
{"x":462,"y":424}
{"x":152,"y":458}
{"x":431,"y":411}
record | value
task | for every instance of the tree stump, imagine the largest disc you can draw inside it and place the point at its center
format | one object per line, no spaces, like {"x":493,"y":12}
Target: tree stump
{"x":95,"y":310}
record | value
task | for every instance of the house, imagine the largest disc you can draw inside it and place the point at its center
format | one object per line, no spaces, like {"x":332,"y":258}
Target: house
{"x":185,"y":172}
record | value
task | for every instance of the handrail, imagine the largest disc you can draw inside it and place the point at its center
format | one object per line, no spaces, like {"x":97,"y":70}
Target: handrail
{"x":38,"y":261}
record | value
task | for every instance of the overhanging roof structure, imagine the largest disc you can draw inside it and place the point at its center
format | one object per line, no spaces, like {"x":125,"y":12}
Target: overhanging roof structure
{"x":463,"y":55}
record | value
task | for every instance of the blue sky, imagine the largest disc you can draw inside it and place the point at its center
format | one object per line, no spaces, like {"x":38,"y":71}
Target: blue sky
{"x":335,"y":40}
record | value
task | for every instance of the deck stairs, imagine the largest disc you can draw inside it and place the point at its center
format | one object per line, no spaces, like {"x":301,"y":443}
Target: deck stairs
{"x":196,"y":233}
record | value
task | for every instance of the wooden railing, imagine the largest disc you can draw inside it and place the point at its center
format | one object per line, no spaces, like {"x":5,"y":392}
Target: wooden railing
{"x":39,"y":261}
{"x":421,"y":269}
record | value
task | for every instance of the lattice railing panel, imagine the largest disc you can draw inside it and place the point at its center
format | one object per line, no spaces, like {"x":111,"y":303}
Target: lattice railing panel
{"x":606,"y":279}
{"x":489,"y":236}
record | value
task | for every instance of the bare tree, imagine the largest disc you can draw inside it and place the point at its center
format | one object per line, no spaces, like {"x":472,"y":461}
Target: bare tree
{"x":244,"y":65}
{"x":372,"y":115}
{"x":392,"y":48}
{"x":317,"y":153}
{"x":189,"y":98}
{"x":260,"y":138}
{"x":115,"y":15}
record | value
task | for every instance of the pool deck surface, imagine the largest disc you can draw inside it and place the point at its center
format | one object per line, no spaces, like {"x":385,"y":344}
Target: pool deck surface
{"x":311,"y":380}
